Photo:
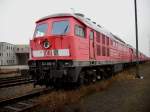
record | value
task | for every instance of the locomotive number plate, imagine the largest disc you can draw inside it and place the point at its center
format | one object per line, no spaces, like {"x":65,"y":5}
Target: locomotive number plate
{"x":56,"y":52}
{"x":48,"y":53}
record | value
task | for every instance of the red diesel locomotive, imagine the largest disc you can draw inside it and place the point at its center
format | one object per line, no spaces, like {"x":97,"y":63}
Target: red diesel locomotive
{"x":69,"y":48}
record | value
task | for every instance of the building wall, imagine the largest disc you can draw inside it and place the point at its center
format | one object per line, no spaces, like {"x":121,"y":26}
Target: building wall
{"x":22,"y":53}
{"x":21,"y":49}
{"x":7,"y":54}
{"x":13,"y":54}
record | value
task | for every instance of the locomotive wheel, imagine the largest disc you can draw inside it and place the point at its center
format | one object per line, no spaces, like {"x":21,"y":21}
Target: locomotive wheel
{"x":81,"y":78}
{"x":99,"y":77}
{"x":94,"y":80}
{"x":94,"y":77}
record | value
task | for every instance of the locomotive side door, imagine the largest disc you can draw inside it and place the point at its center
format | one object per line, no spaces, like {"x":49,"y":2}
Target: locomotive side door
{"x":91,"y":45}
{"x":131,"y":54}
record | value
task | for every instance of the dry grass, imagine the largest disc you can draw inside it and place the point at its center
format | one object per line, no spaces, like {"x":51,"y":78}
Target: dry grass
{"x":57,"y":100}
{"x":125,"y":75}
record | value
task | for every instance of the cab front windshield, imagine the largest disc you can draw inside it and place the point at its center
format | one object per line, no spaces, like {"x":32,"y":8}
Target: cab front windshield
{"x":40,"y":30}
{"x":60,"y":27}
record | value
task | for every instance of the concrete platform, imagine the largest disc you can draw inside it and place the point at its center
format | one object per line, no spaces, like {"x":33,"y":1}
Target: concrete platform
{"x":15,"y":67}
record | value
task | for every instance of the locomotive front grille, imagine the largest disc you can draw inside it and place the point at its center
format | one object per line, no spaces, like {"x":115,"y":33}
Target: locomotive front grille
{"x":41,"y":64}
{"x":48,"y":71}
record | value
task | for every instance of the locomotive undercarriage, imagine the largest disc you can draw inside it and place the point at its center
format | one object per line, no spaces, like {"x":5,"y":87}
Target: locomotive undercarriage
{"x":53,"y":73}
{"x":59,"y":73}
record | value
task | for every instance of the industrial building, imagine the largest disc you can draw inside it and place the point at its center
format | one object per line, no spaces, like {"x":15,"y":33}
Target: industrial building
{"x":11,"y":54}
{"x":22,"y":54}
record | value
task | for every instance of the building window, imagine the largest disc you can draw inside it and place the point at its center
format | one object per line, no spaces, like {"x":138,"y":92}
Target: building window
{"x":79,"y":31}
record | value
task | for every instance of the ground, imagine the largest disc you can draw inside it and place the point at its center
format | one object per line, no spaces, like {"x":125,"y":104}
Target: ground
{"x":10,"y":92}
{"x":122,"y":95}
{"x":10,"y":71}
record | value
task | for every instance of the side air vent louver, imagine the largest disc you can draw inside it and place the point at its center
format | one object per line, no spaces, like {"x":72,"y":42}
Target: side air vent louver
{"x":79,"y":14}
{"x":88,"y":19}
{"x":94,"y":22}
{"x":98,"y":25}
{"x":98,"y":50}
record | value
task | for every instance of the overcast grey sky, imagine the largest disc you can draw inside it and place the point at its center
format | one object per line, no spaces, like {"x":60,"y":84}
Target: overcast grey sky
{"x":17,"y":17}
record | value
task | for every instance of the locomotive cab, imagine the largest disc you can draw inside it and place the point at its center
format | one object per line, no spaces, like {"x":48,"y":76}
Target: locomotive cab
{"x":54,"y":49}
{"x":51,"y":38}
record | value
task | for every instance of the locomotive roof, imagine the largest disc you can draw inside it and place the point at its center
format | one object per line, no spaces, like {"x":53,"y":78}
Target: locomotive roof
{"x":87,"y":22}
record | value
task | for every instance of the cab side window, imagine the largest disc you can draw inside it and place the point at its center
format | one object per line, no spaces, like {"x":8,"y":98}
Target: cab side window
{"x":91,"y":35}
{"x":79,"y":31}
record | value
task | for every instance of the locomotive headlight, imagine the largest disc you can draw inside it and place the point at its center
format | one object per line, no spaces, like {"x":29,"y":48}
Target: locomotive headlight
{"x":46,"y":44}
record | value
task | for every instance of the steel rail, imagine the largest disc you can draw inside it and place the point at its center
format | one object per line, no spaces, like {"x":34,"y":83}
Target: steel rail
{"x":9,"y":103}
{"x":15,"y":83}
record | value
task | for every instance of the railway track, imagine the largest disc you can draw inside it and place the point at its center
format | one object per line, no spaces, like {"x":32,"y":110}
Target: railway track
{"x":13,"y":81}
{"x":24,"y":102}
{"x":10,"y":78}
